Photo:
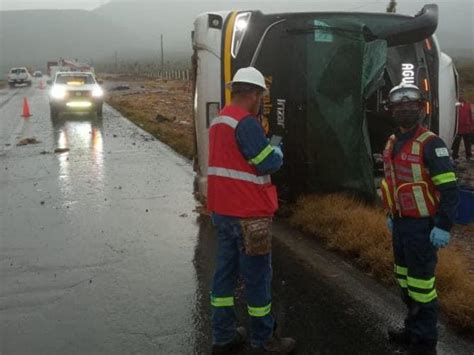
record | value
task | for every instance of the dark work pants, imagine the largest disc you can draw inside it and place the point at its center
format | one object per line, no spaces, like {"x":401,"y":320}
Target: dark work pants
{"x":415,"y":263}
{"x":256,"y":272}
{"x":467,"y":138}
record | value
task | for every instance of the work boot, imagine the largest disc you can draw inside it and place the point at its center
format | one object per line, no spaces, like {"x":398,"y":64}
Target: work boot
{"x":421,"y":349}
{"x":279,"y":345}
{"x":233,"y":345}
{"x":398,"y":336}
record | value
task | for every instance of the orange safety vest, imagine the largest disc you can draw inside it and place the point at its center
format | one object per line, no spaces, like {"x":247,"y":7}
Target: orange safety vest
{"x":234,"y":188}
{"x":407,"y":190}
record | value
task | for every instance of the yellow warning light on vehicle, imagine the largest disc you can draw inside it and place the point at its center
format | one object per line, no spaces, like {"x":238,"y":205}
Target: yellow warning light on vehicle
{"x":79,"y":104}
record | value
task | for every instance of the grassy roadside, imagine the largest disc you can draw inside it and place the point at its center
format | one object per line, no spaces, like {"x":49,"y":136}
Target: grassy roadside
{"x":162,"y":108}
{"x":359,"y":232}
{"x":3,"y":84}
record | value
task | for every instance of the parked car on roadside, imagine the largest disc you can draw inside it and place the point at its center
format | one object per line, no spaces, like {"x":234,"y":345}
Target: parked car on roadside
{"x":38,"y":74}
{"x":18,"y":76}
{"x":75,"y":92}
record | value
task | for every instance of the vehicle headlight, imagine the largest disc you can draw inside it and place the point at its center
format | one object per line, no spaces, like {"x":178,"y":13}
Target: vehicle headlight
{"x":58,"y":92}
{"x":240,"y":28}
{"x":97,"y":92}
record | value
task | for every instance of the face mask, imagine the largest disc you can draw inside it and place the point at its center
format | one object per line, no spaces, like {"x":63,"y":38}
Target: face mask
{"x":407,"y":117}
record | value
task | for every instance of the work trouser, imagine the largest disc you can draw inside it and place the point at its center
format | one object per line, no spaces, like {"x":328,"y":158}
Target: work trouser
{"x":257,"y":275}
{"x":468,"y":141}
{"x":415,"y":263}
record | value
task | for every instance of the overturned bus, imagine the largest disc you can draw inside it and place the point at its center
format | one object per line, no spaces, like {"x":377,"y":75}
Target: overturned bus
{"x":329,"y":75}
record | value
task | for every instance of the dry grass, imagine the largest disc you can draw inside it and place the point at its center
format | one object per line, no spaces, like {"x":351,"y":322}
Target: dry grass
{"x":3,"y":84}
{"x":359,"y":231}
{"x":166,"y":114}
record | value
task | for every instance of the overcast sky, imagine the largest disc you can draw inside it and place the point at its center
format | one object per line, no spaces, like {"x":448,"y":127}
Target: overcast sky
{"x":50,"y":4}
{"x":456,"y":6}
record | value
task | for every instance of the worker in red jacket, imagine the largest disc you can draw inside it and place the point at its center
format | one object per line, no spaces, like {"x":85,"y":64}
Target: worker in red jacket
{"x":465,"y":129}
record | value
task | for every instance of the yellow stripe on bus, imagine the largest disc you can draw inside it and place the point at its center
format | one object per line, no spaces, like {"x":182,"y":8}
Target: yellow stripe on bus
{"x":227,"y":56}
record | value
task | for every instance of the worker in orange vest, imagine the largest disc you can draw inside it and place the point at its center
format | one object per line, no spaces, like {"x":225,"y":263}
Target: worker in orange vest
{"x":421,"y":195}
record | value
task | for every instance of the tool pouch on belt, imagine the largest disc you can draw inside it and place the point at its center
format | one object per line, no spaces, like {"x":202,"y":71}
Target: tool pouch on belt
{"x":257,"y":235}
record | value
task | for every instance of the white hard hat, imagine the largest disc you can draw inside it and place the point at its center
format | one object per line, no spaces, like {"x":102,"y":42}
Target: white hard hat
{"x":249,"y":75}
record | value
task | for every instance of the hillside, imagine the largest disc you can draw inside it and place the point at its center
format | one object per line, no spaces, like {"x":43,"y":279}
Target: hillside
{"x":31,"y":37}
{"x":132,"y":28}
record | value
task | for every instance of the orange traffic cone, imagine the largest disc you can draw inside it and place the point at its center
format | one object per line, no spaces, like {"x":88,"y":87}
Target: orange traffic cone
{"x":26,"y":108}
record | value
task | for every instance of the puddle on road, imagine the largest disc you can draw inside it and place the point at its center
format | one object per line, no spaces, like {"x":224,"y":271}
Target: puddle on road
{"x":83,"y":163}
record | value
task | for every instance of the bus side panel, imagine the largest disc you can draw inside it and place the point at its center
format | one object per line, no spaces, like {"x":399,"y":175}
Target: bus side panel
{"x":448,"y":98}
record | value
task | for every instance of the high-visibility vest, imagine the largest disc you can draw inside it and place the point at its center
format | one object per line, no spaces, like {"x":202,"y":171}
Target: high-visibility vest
{"x":408,"y":189}
{"x":234,"y":187}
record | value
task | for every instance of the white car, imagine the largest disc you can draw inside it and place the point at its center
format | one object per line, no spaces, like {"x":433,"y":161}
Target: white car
{"x":75,"y":92}
{"x":18,"y":76}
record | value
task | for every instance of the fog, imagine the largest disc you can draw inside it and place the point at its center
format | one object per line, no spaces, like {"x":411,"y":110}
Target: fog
{"x":130,"y":29}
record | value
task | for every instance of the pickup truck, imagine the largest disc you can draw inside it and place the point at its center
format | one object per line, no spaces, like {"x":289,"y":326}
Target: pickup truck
{"x":75,"y":92}
{"x":19,"y":76}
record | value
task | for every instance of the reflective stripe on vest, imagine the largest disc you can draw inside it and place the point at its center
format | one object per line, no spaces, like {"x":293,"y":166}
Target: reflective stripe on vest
{"x":420,"y":201}
{"x":238,"y":175}
{"x":424,"y":136}
{"x":416,"y":172}
{"x":229,"y":121}
{"x":388,"y":195}
{"x":415,"y":148}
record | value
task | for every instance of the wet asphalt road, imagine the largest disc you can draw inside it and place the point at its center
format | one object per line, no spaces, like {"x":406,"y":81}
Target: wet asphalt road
{"x":101,"y":252}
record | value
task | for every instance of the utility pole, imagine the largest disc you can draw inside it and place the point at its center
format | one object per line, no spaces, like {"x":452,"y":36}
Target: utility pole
{"x":162,"y":55}
{"x":392,"y":6}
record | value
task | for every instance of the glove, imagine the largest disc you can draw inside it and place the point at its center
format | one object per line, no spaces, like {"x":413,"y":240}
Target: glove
{"x":390,"y":224}
{"x":439,"y":237}
{"x":278,"y":151}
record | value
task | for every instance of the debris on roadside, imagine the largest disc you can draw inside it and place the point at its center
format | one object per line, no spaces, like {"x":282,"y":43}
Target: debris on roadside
{"x":119,"y":87}
{"x":27,"y":141}
{"x":183,"y":215}
{"x":44,"y":152}
{"x":61,"y":150}
{"x":161,"y":118}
